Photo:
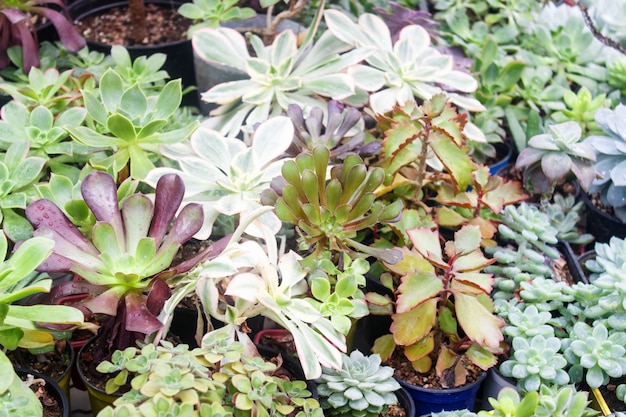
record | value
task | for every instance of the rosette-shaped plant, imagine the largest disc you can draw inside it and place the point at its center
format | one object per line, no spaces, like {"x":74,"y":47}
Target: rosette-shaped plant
{"x":536,"y":361}
{"x":128,"y":248}
{"x":550,"y":157}
{"x":361,"y":388}
{"x":596,"y":353}
{"x":329,"y":213}
{"x":611,"y":159}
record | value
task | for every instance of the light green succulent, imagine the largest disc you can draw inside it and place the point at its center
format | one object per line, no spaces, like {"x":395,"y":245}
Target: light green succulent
{"x":581,"y":108}
{"x":526,"y":321}
{"x":565,"y":214}
{"x":565,"y":401}
{"x":361,"y":388}
{"x":16,"y":397}
{"x":212,"y":13}
{"x":595,"y":353}
{"x":510,"y":404}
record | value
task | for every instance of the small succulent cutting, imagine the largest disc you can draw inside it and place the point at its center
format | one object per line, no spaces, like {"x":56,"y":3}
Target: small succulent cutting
{"x":361,"y":388}
{"x":128,"y":248}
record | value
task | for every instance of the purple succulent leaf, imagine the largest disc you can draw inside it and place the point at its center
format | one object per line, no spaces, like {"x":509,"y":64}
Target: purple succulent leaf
{"x":211,"y":252}
{"x":30,"y":55}
{"x":187,"y":224}
{"x":69,"y":251}
{"x":74,"y":287}
{"x":55,"y":263}
{"x":138,"y":317}
{"x":100,"y":194}
{"x":170,"y":190}
{"x":105,"y":303}
{"x":68,"y":35}
{"x":157,"y":297}
{"x":44,"y":214}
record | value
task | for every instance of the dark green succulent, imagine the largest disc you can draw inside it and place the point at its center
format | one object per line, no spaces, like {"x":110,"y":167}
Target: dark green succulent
{"x":328,"y":213}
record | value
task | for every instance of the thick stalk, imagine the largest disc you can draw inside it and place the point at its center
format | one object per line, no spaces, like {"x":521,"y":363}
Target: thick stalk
{"x":295,"y":7}
{"x":137,"y":10}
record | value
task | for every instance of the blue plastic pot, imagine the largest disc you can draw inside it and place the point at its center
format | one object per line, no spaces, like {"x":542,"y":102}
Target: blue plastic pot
{"x":430,"y":400}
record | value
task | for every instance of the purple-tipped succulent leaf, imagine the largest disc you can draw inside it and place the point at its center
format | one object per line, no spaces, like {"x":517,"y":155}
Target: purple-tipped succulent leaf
{"x":100,"y":194}
{"x":188,"y":222}
{"x":170,"y":190}
{"x":159,"y":294}
{"x":105,"y":303}
{"x":77,"y":256}
{"x":138,"y":317}
{"x":68,"y":35}
{"x":45,"y":215}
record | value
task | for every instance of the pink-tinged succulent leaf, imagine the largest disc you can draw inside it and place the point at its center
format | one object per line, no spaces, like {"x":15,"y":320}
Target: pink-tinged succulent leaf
{"x":54,"y":263}
{"x":409,"y":327}
{"x":157,"y":297}
{"x":138,"y":317}
{"x":384,"y":346}
{"x":416,"y":288}
{"x":44,"y":214}
{"x":478,"y":281}
{"x":411,"y":261}
{"x":473,"y":261}
{"x":69,"y":251}
{"x":170,"y":191}
{"x":426,"y":242}
{"x":481,"y":357}
{"x":455,"y":159}
{"x":480,"y":325}
{"x":187,"y":224}
{"x":100,"y":194}
{"x":30,"y":57}
{"x":509,"y":192}
{"x":466,"y":240}
{"x":68,"y":35}
{"x":106,"y":303}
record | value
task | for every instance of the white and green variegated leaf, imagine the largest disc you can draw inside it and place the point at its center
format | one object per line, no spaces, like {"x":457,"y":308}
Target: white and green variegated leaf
{"x":222,"y":45}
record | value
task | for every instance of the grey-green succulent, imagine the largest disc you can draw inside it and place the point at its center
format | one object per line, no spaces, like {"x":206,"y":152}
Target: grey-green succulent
{"x":611,"y":159}
{"x":526,"y":321}
{"x":565,"y":214}
{"x":361,"y":388}
{"x":536,"y":361}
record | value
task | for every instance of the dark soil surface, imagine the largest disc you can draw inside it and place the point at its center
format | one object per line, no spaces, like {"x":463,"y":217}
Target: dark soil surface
{"x":164,"y":25}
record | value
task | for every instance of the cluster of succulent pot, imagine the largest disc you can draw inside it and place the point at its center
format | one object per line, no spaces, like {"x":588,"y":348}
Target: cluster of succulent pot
{"x":353,"y":152}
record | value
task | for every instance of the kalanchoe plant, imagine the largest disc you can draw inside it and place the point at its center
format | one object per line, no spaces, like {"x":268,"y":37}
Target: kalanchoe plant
{"x":610,"y":151}
{"x":129,"y":249}
{"x":550,"y":158}
{"x":328,"y":214}
{"x":442,"y":317}
{"x":218,"y":378}
{"x":361,"y":388}
{"x":17,"y":28}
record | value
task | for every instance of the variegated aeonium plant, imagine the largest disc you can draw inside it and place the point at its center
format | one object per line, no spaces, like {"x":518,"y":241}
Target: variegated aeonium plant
{"x":126,"y":254}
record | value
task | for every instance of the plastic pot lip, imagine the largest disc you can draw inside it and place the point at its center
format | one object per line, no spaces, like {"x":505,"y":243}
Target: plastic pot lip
{"x":466,"y":387}
{"x":52,"y":387}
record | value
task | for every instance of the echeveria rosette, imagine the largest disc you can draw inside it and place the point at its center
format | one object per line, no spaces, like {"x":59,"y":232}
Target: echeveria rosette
{"x":361,"y":388}
{"x":129,"y":247}
{"x":526,"y":321}
{"x":225,"y":175}
{"x":402,"y":71}
{"x":550,"y":157}
{"x":610,"y":159}
{"x":536,"y":361}
{"x":278,"y":75}
{"x":595,"y":352}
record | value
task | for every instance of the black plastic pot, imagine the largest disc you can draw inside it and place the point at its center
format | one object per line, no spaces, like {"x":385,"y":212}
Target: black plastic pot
{"x":179,"y":63}
{"x":51,"y":387}
{"x":98,"y":398}
{"x":601,"y":225}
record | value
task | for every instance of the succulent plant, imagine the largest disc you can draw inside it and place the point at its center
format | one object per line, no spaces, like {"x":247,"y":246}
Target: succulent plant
{"x":510,"y":404}
{"x":535,"y":361}
{"x":218,"y":377}
{"x":16,"y":397}
{"x":565,"y":215}
{"x":442,"y":316}
{"x":212,"y":13}
{"x":551,"y":157}
{"x":596,"y":353}
{"x":361,"y":388}
{"x":225,"y":175}
{"x":328,"y":214}
{"x":526,"y":321}
{"x":610,"y":152}
{"x":311,"y":131}
{"x":581,"y":108}
{"x":532,"y":236}
{"x":126,"y":250}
